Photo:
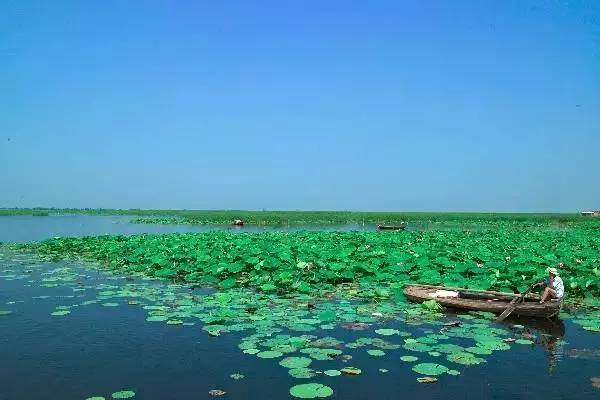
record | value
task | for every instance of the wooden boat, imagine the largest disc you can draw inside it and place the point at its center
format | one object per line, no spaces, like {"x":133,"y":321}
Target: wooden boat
{"x":382,"y":227}
{"x":481,"y":300}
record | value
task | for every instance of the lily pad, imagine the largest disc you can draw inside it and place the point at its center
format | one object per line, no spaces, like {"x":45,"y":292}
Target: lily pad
{"x":409,"y":358}
{"x":295,"y":362}
{"x":430,"y":369}
{"x":464,"y":358}
{"x":301,"y":373}
{"x":269,"y":354}
{"x":387,"y":332}
{"x":311,"y":391}
{"x":523,"y":341}
{"x":124,"y":394}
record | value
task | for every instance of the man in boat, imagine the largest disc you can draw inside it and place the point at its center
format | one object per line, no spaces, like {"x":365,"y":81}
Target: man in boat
{"x":555,"y":289}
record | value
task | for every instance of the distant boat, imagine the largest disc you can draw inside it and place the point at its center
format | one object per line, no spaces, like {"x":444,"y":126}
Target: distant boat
{"x":480,"y":300}
{"x":238,"y":222}
{"x":591,"y":213}
{"x":382,"y":227}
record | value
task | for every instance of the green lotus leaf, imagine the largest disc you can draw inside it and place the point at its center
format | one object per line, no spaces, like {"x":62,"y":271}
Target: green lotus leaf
{"x":269,"y":354}
{"x":387,"y":332}
{"x":419,"y":347}
{"x":124,"y":394}
{"x":430,"y":369}
{"x":464,"y":358}
{"x":311,"y":391}
{"x":523,"y":341}
{"x":409,"y":358}
{"x":301,"y":373}
{"x":295,"y":362}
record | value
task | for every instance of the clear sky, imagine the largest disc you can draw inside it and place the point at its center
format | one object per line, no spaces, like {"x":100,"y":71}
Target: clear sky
{"x":351,"y":105}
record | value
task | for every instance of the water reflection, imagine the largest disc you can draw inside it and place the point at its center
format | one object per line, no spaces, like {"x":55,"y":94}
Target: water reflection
{"x":550,"y":333}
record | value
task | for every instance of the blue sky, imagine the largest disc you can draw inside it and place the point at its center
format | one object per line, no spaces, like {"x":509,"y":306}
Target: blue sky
{"x":382,"y":105}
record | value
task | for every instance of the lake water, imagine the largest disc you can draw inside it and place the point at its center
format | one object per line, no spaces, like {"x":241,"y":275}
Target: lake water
{"x":24,"y":228}
{"x":105,"y":346}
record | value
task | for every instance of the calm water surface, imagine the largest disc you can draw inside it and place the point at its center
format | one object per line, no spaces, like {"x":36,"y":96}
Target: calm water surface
{"x":24,"y":228}
{"x":98,"y":350}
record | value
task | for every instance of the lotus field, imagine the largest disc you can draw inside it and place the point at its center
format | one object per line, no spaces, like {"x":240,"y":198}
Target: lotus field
{"x":287,"y":295}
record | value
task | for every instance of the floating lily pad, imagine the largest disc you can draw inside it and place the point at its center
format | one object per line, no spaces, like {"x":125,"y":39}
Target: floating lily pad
{"x":387,"y":332}
{"x":376,"y":353}
{"x":430,"y":369}
{"x":124,"y":394}
{"x":332,"y":372}
{"x":311,"y":391}
{"x":301,"y":373}
{"x":269,"y":354}
{"x":295,"y":362}
{"x":409,"y":358}
{"x":464,"y":358}
{"x":523,"y":341}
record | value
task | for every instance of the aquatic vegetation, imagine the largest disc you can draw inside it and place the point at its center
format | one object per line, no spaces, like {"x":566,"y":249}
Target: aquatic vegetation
{"x":523,"y":341}
{"x":358,"y":264}
{"x":430,"y":369}
{"x":295,"y":362}
{"x":351,"y":371}
{"x":124,"y":394}
{"x":285,"y":295}
{"x":311,"y":391}
{"x":409,"y":358}
{"x":590,"y":321}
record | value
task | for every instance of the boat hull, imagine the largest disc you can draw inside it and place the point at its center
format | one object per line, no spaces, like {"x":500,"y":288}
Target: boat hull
{"x":495,"y":302}
{"x":391,"y":227}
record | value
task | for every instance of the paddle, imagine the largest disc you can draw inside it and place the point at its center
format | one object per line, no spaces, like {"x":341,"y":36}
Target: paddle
{"x":514,"y":303}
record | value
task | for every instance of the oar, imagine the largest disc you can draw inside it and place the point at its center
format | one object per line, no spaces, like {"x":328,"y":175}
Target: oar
{"x":514,"y":303}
